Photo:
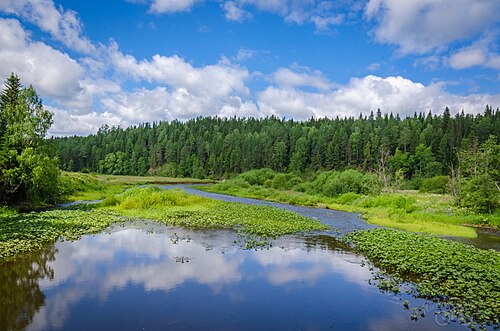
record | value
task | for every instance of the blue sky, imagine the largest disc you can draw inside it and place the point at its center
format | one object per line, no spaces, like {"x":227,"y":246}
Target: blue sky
{"x":123,"y":62}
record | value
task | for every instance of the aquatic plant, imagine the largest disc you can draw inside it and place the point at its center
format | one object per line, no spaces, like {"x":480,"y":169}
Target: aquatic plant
{"x":22,"y":233}
{"x":463,"y":278}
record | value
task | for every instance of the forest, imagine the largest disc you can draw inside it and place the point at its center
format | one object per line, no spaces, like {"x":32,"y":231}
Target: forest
{"x":422,"y":145}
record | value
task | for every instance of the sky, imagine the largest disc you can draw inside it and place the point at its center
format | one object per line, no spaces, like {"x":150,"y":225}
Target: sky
{"x":125,"y":62}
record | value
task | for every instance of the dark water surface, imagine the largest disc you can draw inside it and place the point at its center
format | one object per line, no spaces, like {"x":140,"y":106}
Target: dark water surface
{"x":151,"y":277}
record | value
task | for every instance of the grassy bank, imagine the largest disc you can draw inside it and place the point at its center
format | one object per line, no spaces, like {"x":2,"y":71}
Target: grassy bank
{"x":464,"y":278}
{"x":80,"y":186}
{"x":406,"y":210}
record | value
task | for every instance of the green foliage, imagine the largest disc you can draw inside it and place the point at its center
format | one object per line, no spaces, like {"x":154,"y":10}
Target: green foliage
{"x":409,"y":210}
{"x":335,"y":183}
{"x":481,"y":188}
{"x":438,"y":185}
{"x":480,"y":194}
{"x":465,"y":278}
{"x":27,"y":174}
{"x":257,"y":176}
{"x":418,"y":146}
{"x":154,"y":197}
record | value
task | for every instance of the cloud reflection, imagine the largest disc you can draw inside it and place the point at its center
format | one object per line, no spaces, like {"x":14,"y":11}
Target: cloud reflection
{"x":96,"y":265}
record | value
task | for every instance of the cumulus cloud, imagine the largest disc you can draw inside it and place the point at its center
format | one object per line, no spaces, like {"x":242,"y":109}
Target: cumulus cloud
{"x":143,"y":105}
{"x":233,"y":12}
{"x":301,"y":76}
{"x":67,"y":124}
{"x":322,"y":14}
{"x":171,"y":6}
{"x":477,"y":54}
{"x":218,"y":79}
{"x":62,"y":25}
{"x":420,"y":26}
{"x":52,"y":72}
{"x":362,"y":95}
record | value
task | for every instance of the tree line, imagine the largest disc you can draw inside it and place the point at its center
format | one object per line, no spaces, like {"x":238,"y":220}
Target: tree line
{"x":418,"y":146}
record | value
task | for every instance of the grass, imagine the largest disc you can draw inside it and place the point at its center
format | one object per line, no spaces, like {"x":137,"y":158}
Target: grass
{"x":405,"y":210}
{"x":80,"y":186}
{"x":463,"y":278}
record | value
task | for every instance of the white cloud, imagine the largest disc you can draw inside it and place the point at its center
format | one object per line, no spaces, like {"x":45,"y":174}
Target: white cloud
{"x":63,"y":25}
{"x":478,"y":54}
{"x":219,"y":79}
{"x":373,"y":67}
{"x":233,"y":12}
{"x":52,"y":72}
{"x":466,"y":58}
{"x":362,"y":95}
{"x":168,"y":6}
{"x":66,"y":124}
{"x":420,"y":26}
{"x":301,"y":76}
{"x":323,"y":14}
{"x":143,"y":105}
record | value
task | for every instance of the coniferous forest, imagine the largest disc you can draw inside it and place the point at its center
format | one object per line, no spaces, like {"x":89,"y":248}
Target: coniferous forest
{"x":418,"y":146}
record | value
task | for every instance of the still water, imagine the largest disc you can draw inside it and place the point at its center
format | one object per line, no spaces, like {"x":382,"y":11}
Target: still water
{"x":151,"y":277}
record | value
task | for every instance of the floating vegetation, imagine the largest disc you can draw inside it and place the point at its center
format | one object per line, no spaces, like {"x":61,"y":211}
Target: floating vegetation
{"x":22,"y":233}
{"x":177,"y":208}
{"x":464,"y":280}
{"x":182,"y":259}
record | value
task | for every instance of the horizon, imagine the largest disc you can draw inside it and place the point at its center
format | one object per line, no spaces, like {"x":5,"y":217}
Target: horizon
{"x":160,"y":60}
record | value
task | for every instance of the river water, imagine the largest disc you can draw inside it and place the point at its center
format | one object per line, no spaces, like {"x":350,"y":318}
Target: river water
{"x":147,"y":276}
{"x":153,"y":277}
{"x":340,"y":222}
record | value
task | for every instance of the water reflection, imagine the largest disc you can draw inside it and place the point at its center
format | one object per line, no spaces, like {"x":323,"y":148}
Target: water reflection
{"x":173,"y":278}
{"x":20,"y":293}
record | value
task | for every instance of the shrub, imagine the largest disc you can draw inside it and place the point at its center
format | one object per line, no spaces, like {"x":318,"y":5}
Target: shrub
{"x":285,"y":181}
{"x":480,"y":194}
{"x":438,"y":184}
{"x":258,"y":176}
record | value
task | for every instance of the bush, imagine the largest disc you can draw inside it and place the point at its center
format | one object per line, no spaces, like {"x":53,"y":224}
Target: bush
{"x":335,"y":183}
{"x":438,"y":184}
{"x":480,"y":194}
{"x":257,"y":177}
{"x":285,"y":181}
{"x":347,"y":198}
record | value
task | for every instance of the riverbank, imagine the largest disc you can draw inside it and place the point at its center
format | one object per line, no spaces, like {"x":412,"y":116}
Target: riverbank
{"x":405,"y":210}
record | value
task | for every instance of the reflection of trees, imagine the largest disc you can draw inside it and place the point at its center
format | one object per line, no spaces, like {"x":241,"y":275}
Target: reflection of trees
{"x":20,"y":295}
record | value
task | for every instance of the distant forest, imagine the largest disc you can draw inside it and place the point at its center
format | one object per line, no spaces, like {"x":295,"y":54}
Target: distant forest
{"x":418,"y":146}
